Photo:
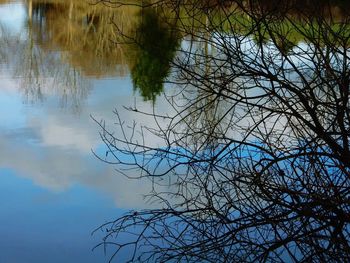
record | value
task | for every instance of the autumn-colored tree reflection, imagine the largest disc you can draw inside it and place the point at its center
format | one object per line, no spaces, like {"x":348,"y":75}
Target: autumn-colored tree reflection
{"x":85,"y":34}
{"x":103,"y":41}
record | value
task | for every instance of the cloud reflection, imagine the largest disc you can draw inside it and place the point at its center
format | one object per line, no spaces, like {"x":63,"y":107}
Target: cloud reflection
{"x":41,"y":137}
{"x":53,"y":148}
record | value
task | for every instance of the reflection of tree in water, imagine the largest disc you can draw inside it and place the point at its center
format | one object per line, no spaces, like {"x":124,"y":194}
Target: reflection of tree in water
{"x":335,"y":8}
{"x":86,"y":34}
{"x":156,"y":46}
{"x":5,"y":41}
{"x":257,"y":148}
{"x":41,"y":73}
{"x":205,"y":111}
{"x":63,"y":33}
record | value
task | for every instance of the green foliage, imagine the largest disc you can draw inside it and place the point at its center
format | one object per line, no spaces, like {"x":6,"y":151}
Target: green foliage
{"x":156,"y":47}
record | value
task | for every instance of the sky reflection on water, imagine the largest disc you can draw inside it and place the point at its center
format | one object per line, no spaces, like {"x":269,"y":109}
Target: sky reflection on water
{"x":54,"y":192}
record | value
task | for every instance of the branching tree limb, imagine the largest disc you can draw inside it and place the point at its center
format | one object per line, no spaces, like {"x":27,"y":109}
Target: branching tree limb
{"x":256,"y":151}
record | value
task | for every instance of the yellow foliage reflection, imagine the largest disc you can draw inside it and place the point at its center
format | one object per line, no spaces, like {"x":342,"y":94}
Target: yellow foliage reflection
{"x":87,"y":34}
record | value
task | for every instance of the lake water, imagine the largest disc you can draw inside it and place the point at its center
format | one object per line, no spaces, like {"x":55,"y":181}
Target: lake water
{"x":243,"y":100}
{"x":54,"y":191}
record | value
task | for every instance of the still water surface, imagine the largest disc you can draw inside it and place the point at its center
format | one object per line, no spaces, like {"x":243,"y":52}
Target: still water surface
{"x":61,"y":64}
{"x":54,"y":192}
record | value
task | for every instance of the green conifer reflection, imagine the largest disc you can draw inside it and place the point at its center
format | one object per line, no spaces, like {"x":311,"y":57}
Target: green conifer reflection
{"x":156,"y":47}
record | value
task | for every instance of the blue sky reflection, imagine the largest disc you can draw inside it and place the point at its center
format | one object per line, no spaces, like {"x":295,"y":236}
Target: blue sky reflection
{"x":54,"y":192}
